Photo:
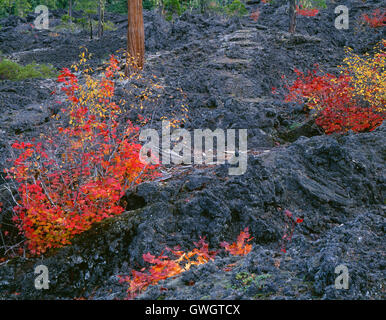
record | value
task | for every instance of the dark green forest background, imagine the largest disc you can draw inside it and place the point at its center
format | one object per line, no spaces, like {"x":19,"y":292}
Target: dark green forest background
{"x":22,"y":7}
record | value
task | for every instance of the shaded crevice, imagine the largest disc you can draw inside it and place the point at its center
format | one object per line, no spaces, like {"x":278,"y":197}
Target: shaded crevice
{"x":132,"y":201}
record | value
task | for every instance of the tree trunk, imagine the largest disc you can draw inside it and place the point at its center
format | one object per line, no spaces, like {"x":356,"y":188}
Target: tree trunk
{"x":292,"y":15}
{"x":101,"y":13}
{"x":135,"y":36}
{"x":90,"y":21}
{"x":203,"y":5}
{"x":70,"y":9}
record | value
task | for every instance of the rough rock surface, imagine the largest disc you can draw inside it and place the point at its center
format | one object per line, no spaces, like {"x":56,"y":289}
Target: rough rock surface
{"x":227,"y":68}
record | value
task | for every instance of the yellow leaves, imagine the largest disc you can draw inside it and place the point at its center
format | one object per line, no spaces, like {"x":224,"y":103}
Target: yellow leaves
{"x":368,"y":75}
{"x":59,"y":220}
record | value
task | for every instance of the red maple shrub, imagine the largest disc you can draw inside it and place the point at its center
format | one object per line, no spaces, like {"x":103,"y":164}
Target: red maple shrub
{"x":375,"y":19}
{"x":330,"y":96}
{"x":240,"y":247}
{"x":290,"y":225}
{"x":164,"y":267}
{"x":76,"y":176}
{"x":354,"y":100}
{"x":306,"y":12}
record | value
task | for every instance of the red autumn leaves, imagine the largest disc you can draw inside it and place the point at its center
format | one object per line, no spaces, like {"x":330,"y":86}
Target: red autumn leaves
{"x":291,"y":223}
{"x":300,"y":10}
{"x":255,"y":15}
{"x":240,"y":247}
{"x":306,"y":12}
{"x":375,"y":19}
{"x":164,"y":267}
{"x":337,"y":109}
{"x":78,"y":175}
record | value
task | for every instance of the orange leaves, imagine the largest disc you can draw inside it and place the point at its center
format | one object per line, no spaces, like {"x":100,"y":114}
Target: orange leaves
{"x":201,"y":253}
{"x":307,"y":12}
{"x":78,"y":177}
{"x":354,"y":100}
{"x":240,"y":247}
{"x":164,"y":267}
{"x":112,"y":67}
{"x":333,"y":98}
{"x":255,"y":15}
{"x":375,"y":19}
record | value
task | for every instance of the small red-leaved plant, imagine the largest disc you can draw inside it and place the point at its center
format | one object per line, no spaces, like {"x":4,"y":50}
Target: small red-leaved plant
{"x":354,"y":100}
{"x":240,"y":247}
{"x":77,"y":175}
{"x":164,"y":267}
{"x":291,"y":223}
{"x":375,"y":19}
{"x":255,"y":15}
{"x":307,"y":12}
{"x":331,"y":97}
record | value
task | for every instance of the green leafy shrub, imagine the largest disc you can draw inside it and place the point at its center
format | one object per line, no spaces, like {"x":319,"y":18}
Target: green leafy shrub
{"x":66,"y":18}
{"x":148,"y":4}
{"x":109,"y":26}
{"x":236,"y":8}
{"x":16,"y":7}
{"x":22,"y":7}
{"x":120,"y":6}
{"x":172,"y":7}
{"x":10,"y":70}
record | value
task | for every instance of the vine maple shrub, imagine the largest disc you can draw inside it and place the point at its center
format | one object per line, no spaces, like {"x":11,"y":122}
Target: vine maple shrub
{"x":163,"y":267}
{"x":354,"y":100}
{"x":375,"y":19}
{"x":306,"y":12}
{"x":291,"y":223}
{"x":76,"y":176}
{"x":240,"y":247}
